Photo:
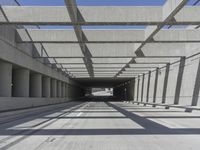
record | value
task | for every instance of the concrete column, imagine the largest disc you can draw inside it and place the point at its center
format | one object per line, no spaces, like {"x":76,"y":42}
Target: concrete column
{"x":165,"y":83}
{"x":125,"y":97}
{"x":59,"y":91}
{"x":132,"y":86}
{"x":142,"y":90}
{"x":63,"y":90}
{"x":46,"y":87}
{"x":195,"y":96}
{"x":69,"y":91}
{"x":138,"y":87}
{"x":5,"y":79}
{"x":21,"y":79}
{"x":179,"y":80}
{"x":53,"y":88}
{"x":128,"y":90}
{"x":66,"y":90}
{"x":155,"y":85}
{"x":148,"y":86}
{"x":36,"y":85}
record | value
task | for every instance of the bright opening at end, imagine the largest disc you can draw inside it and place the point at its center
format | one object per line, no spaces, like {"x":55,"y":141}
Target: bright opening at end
{"x":102,"y":91}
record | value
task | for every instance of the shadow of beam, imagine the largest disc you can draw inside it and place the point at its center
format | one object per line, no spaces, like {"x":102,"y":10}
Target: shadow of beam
{"x":88,"y":117}
{"x":185,"y":117}
{"x":69,"y":132}
{"x":145,"y":123}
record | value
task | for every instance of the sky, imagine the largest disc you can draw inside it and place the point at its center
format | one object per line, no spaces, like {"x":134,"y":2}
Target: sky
{"x":95,"y":3}
{"x":100,"y":2}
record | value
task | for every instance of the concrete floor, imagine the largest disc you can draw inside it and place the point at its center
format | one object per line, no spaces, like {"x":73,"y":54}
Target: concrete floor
{"x":100,"y":126}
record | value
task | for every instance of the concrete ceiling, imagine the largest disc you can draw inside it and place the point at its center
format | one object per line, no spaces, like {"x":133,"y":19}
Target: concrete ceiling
{"x":107,"y":55}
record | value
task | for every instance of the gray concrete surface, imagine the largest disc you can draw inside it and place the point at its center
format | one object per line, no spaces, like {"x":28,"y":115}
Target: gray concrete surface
{"x":46,"y":88}
{"x":21,"y":81}
{"x":100,"y":125}
{"x":36,"y":85}
{"x":12,"y":103}
{"x":5,"y":79}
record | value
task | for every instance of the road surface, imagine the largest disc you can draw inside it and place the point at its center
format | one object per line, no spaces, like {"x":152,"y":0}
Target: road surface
{"x":99,"y":126}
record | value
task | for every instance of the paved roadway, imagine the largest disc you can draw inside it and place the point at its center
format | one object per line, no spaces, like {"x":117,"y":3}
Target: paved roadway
{"x":102,"y":93}
{"x":99,"y":126}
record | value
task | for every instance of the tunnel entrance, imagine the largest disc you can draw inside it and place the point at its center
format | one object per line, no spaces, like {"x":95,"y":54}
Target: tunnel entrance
{"x":102,"y":92}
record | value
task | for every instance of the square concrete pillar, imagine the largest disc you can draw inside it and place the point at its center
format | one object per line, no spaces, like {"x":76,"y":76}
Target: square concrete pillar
{"x":21,"y":79}
{"x":46,"y":87}
{"x":53,"y":88}
{"x":36,"y":85}
{"x":69,"y":87}
{"x":5,"y":79}
{"x":63,"y":90}
{"x":59,"y":89}
{"x":66,"y":90}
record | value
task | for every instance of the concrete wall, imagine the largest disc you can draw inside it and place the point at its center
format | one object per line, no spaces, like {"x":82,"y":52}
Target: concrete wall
{"x":12,"y":103}
{"x":180,"y":85}
{"x":25,"y":81}
{"x":125,"y":91}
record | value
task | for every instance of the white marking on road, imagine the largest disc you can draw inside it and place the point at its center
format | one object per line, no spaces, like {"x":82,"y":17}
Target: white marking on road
{"x":79,"y":114}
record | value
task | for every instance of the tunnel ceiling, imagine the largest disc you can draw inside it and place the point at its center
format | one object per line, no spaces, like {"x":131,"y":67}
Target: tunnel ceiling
{"x":101,"y":82}
{"x":82,"y":50}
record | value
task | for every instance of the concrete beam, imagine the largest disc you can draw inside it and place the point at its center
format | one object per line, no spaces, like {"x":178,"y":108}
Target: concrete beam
{"x":104,"y":15}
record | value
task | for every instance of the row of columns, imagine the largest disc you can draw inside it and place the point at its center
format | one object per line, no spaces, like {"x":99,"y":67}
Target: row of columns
{"x":178,"y":81}
{"x":20,"y":82}
{"x":125,"y":91}
{"x":178,"y":84}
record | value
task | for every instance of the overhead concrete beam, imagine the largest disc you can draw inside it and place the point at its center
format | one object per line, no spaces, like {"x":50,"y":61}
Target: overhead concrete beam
{"x":169,"y":10}
{"x":109,"y":36}
{"x":105,"y":15}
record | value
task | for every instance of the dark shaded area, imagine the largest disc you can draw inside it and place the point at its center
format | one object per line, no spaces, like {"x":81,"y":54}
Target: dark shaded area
{"x":99,"y":98}
{"x":83,"y":132}
{"x":101,"y":82}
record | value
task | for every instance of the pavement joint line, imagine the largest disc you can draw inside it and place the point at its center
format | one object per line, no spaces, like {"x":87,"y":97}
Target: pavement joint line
{"x":28,"y":133}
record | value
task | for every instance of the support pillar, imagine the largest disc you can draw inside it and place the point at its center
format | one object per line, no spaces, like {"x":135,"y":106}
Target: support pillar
{"x":53,"y":88}
{"x":132,"y":89}
{"x":195,"y":96}
{"x":21,"y":79}
{"x":138,"y":88}
{"x":36,"y":85}
{"x":66,"y":90}
{"x":63,"y":90}
{"x":5,"y":79}
{"x":59,"y":91}
{"x":155,"y":85}
{"x":179,"y":80}
{"x":148,"y":86}
{"x":165,"y":83}
{"x":46,"y":87}
{"x":142,"y":87}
